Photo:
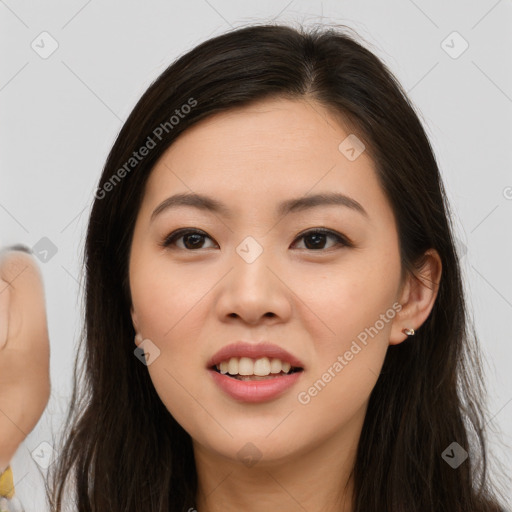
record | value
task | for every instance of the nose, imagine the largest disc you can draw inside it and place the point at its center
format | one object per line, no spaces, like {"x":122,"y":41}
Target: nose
{"x":254,"y":291}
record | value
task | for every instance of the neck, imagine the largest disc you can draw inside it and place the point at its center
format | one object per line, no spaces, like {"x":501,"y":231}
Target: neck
{"x":317,"y":479}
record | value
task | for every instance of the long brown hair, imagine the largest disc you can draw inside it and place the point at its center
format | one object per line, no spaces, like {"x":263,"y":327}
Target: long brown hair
{"x":122,"y":450}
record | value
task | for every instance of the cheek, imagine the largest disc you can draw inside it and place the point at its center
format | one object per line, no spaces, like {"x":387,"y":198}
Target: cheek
{"x":346,"y":301}
{"x":355,"y":307}
{"x":164,"y":298}
{"x":169,"y":310}
{"x":348,"y":360}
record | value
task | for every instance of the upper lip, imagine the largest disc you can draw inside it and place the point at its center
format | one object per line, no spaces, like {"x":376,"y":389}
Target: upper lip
{"x":254,"y":351}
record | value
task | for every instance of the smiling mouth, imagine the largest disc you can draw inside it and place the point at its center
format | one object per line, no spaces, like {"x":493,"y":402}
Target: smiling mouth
{"x":258,"y":377}
{"x":247,"y":369}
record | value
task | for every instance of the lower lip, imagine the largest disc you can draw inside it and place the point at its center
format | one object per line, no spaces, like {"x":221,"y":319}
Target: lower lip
{"x":256,"y":390}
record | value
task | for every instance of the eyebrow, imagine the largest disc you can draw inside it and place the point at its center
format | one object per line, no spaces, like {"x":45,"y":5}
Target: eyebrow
{"x":206,"y":203}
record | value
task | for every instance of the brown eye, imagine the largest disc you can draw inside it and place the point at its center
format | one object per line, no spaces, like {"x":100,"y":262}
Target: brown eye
{"x":192,"y":239}
{"x":315,"y":239}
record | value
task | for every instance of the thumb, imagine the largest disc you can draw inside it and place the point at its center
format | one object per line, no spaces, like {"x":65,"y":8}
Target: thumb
{"x":4,"y":311}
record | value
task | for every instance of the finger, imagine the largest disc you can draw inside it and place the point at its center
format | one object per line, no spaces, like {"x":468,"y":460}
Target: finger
{"x":27,"y":328}
{"x":4,"y":312}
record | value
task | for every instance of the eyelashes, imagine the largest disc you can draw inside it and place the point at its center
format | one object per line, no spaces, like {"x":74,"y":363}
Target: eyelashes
{"x":194,"y":238}
{"x":182,"y":233}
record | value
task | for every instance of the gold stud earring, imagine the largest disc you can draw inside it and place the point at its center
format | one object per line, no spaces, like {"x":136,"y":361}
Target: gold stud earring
{"x":409,"y":331}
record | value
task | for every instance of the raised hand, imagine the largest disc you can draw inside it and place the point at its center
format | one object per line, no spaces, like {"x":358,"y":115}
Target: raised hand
{"x":24,"y":350}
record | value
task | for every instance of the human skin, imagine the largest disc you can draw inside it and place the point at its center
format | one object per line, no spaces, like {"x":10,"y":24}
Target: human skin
{"x":191,"y":302}
{"x":24,"y":351}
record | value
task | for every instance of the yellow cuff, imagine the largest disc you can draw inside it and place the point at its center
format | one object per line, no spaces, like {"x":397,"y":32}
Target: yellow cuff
{"x":6,"y":484}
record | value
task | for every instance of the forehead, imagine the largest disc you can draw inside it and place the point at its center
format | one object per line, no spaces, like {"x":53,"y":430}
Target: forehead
{"x":267,"y":150}
{"x":276,"y":129}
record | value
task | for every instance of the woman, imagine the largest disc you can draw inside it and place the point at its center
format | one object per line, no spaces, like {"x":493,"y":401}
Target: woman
{"x":274,"y":315}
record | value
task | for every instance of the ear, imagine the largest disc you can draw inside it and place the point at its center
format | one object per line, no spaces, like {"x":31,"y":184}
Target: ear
{"x":417,"y":297}
{"x":135,"y":321}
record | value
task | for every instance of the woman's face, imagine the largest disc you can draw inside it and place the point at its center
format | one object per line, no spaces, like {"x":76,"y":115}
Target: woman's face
{"x":261,"y":273}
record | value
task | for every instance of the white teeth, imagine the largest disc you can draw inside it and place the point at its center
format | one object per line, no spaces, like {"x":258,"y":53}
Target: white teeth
{"x":260,"y":367}
{"x":275,"y":365}
{"x":233,"y":366}
{"x":286,"y":367}
{"x":245,"y":366}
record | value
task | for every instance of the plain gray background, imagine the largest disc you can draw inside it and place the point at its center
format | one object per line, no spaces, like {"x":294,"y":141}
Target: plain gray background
{"x":62,"y":111}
